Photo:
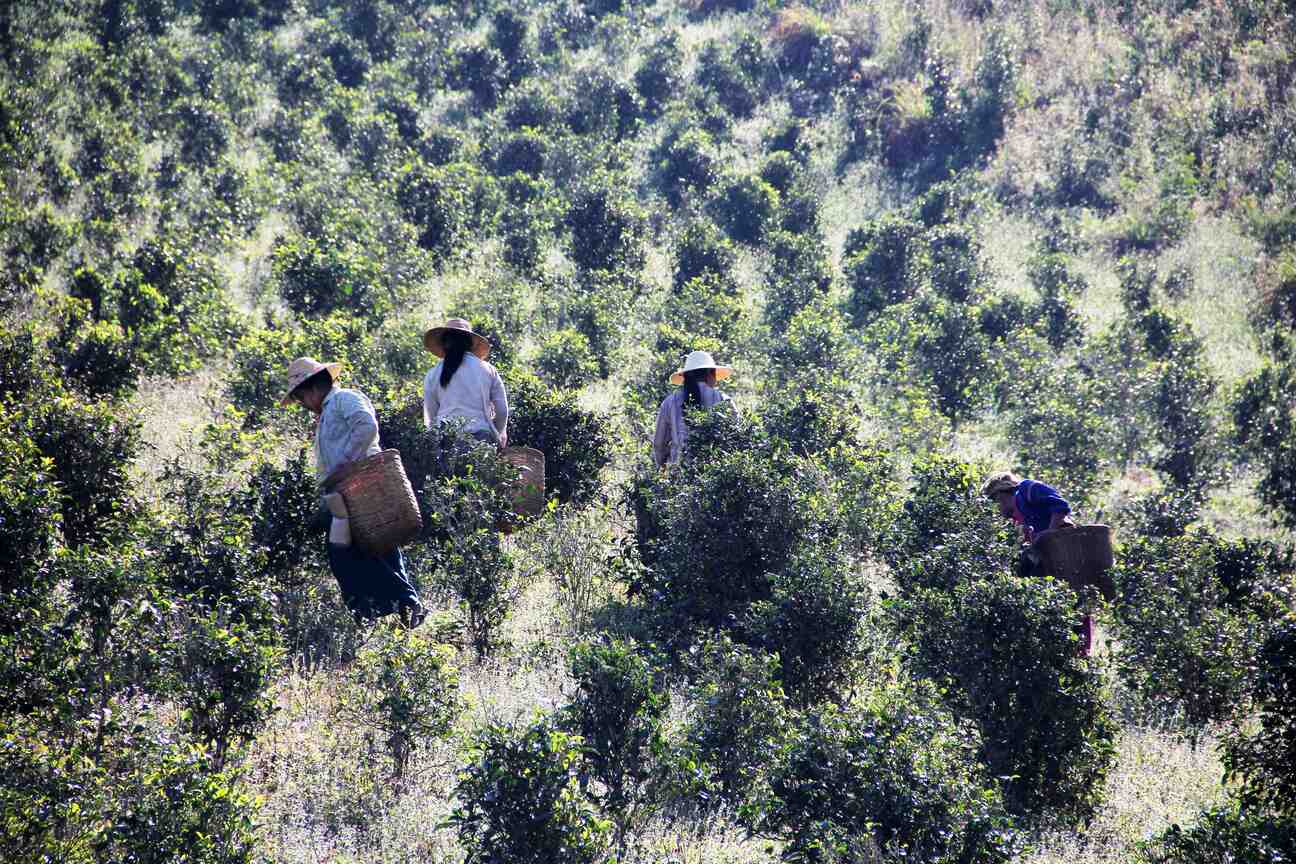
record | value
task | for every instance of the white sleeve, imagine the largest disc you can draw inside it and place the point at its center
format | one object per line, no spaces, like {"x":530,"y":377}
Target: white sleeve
{"x":431,"y":403}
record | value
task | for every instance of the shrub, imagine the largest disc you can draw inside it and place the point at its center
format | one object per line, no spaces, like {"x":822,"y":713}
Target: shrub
{"x":1226,"y":833}
{"x":1060,"y":290}
{"x":895,"y":773}
{"x":483,"y":71}
{"x":800,"y":274}
{"x":521,"y":799}
{"x":701,"y":250}
{"x":734,"y":76}
{"x":745,"y":208}
{"x":811,"y":622}
{"x":660,"y":76}
{"x":1184,"y":649}
{"x":172,"y":804}
{"x":727,"y":523}
{"x":91,"y":448}
{"x":438,"y":202}
{"x":882,"y":265}
{"x":1004,"y":652}
{"x":686,"y":164}
{"x":404,"y":686}
{"x":607,"y":228}
{"x":1261,"y":759}
{"x":577,"y":443}
{"x":740,"y":721}
{"x":318,"y":276}
{"x":30,"y":503}
{"x":566,"y":360}
{"x":620,"y":710}
{"x":220,"y":670}
{"x":525,"y":152}
{"x":1059,"y":433}
{"x":465,"y":507}
{"x":1265,"y":429}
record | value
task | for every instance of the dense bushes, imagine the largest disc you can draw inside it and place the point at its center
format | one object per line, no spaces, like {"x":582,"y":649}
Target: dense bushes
{"x":1004,"y":654}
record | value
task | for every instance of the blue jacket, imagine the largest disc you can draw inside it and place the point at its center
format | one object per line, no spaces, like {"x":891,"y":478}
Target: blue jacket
{"x":1037,"y":502}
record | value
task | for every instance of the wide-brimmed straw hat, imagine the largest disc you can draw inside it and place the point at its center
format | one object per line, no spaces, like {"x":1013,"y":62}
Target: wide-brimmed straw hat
{"x":997,"y":484}
{"x":434,"y":339}
{"x":303,"y":368}
{"x":700,"y":360}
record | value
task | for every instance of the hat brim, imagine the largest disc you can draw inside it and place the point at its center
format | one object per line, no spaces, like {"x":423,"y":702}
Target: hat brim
{"x":722,"y":372}
{"x":332,"y":368}
{"x":433,"y":340}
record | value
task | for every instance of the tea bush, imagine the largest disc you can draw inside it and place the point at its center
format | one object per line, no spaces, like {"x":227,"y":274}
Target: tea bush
{"x":521,"y":799}
{"x":1004,"y":653}
{"x":607,"y":228}
{"x":1260,"y":758}
{"x":566,"y":360}
{"x":402,"y":685}
{"x":619,"y":709}
{"x":811,"y":623}
{"x":739,"y":722}
{"x":1226,"y":833}
{"x":686,"y":163}
{"x":660,"y":76}
{"x":1191,"y":625}
{"x":882,"y":265}
{"x":893,"y":769}
{"x":1265,"y":429}
{"x":745,"y":207}
{"x":577,"y":443}
{"x":800,"y":275}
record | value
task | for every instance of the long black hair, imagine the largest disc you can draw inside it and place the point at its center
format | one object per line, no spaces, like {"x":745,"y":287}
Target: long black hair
{"x":456,"y":344}
{"x":692,"y":389}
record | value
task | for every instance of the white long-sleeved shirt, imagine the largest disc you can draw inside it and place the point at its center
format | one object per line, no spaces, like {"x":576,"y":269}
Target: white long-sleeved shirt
{"x":347,"y":431}
{"x":668,"y":440}
{"x":475,"y":394}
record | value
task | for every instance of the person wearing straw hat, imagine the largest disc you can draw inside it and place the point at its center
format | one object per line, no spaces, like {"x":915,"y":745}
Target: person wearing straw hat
{"x":463,"y":389}
{"x":347,"y":430}
{"x":697,"y":381}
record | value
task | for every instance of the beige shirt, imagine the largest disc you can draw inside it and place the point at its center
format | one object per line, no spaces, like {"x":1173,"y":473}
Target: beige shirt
{"x":475,"y":395}
{"x":672,"y":432}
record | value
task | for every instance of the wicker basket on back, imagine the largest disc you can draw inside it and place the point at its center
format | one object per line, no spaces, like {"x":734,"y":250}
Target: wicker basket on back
{"x":380,"y":500}
{"x":1079,"y":556}
{"x":528,"y":491}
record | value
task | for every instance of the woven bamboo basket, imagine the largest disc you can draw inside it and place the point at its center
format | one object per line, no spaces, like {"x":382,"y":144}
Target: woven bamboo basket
{"x":1079,"y":556}
{"x":384,"y":513}
{"x":528,"y":491}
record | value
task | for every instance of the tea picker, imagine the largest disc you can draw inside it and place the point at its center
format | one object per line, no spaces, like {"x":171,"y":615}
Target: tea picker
{"x":466,"y":406}
{"x":368,"y":497}
{"x":1052,"y":544}
{"x":697,"y":381}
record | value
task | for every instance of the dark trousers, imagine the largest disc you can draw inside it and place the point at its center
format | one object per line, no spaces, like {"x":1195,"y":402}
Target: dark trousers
{"x":372,"y":586}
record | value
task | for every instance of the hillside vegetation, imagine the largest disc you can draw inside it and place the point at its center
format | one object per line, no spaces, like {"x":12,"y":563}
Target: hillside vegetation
{"x":935,"y":239}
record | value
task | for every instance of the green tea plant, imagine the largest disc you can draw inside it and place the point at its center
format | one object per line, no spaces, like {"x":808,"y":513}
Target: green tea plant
{"x":619,"y":709}
{"x":1195,"y":613}
{"x":1004,"y":655}
{"x":1259,"y":758}
{"x":404,"y":686}
{"x":577,"y":443}
{"x":521,"y":799}
{"x":894,"y":769}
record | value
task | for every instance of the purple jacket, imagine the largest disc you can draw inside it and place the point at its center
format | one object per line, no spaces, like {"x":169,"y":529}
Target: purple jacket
{"x":1037,"y":502}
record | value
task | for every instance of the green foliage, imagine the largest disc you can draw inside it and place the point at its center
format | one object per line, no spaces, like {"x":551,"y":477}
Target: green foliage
{"x":461,"y":517}
{"x":1195,"y":612}
{"x":566,"y":360}
{"x":404,"y":686}
{"x":745,"y":206}
{"x":1005,"y":656}
{"x":741,"y":721}
{"x":659,"y":77}
{"x":800,"y":275}
{"x":521,"y":799}
{"x":686,"y":164}
{"x":91,"y":447}
{"x":316,"y":277}
{"x":607,"y":228}
{"x":1059,"y":432}
{"x":701,"y":250}
{"x":1260,"y":758}
{"x":220,"y":670}
{"x":811,"y":622}
{"x":619,"y":710}
{"x":1265,"y":427}
{"x":30,"y":505}
{"x":1226,"y":833}
{"x":895,"y":772}
{"x":882,"y":265}
{"x":577,"y":443}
